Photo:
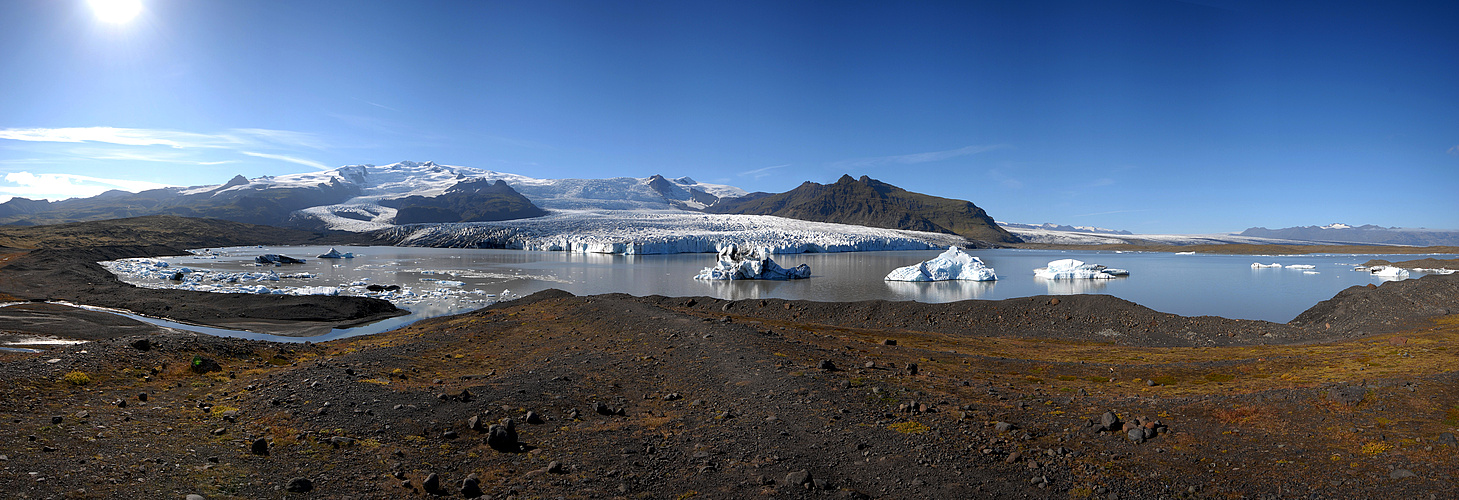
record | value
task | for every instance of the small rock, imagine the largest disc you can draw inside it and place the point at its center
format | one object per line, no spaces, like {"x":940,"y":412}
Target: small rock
{"x":533,"y":418}
{"x":554,"y":467}
{"x":142,"y":397}
{"x":1109,"y":421}
{"x":889,"y":342}
{"x":1136,"y":434}
{"x":83,"y":414}
{"x":300,"y":485}
{"x":602,"y":409}
{"x":673,"y":396}
{"x":449,"y":435}
{"x":798,"y":478}
{"x":870,"y":364}
{"x":339,"y":441}
{"x":121,"y":403}
{"x":912,"y":368}
{"x":474,"y":423}
{"x":219,"y":431}
{"x":1149,"y":383}
{"x":1448,"y":439}
{"x":194,"y":496}
{"x":56,"y":420}
{"x":260,"y":447}
{"x":230,"y":415}
{"x":1004,"y":427}
{"x":827,"y":365}
{"x":432,"y":483}
{"x":471,"y":487}
{"x":142,"y":344}
{"x":1401,"y":473}
{"x":1013,"y":457}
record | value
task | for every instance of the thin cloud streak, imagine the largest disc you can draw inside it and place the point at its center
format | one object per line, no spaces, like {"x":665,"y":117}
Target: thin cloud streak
{"x":914,"y":158}
{"x":761,"y":172}
{"x":231,"y":139}
{"x":290,"y":159}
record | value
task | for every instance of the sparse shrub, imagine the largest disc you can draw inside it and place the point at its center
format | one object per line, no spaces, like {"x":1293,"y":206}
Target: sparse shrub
{"x":77,"y":378}
{"x":1376,"y":448}
{"x":909,"y":427}
{"x":1164,"y":380}
{"x":1219,"y":377}
{"x":1451,"y":417}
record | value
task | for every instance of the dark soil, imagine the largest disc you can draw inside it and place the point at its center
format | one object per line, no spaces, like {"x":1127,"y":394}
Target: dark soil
{"x":1425,"y":263}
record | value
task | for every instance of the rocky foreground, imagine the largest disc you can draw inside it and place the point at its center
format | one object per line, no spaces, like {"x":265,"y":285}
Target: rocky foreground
{"x":653,"y":397}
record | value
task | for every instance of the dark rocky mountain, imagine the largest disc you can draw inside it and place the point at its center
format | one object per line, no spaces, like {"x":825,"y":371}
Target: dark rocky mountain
{"x":1365,"y":234}
{"x":680,"y":195}
{"x":237,"y":200}
{"x":869,"y":202}
{"x":468,"y":201}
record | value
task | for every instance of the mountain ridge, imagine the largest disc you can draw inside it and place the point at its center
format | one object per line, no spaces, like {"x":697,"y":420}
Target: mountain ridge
{"x":869,"y":202}
{"x":1366,"y":234}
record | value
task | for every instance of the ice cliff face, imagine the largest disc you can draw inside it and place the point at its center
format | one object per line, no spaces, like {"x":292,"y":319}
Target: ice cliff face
{"x":663,"y":232}
{"x":952,"y":265}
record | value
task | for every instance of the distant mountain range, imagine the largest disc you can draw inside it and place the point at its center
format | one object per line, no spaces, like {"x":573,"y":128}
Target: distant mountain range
{"x":369,"y":197}
{"x":1065,"y":228}
{"x":1365,"y":234}
{"x":869,"y":202}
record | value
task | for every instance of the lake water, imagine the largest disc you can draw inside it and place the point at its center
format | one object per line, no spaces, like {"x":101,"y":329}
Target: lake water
{"x":442,"y":281}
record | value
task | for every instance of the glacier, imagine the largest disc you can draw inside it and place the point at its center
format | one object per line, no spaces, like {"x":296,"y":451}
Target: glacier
{"x":739,"y":263}
{"x":663,"y":232}
{"x":1071,"y":269}
{"x":952,"y":265}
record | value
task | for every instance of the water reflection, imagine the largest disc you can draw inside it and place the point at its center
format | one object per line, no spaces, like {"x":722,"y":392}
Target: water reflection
{"x":939,"y":291}
{"x":743,"y":289}
{"x":1075,"y":287}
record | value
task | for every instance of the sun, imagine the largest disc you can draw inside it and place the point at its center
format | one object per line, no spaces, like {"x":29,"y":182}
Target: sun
{"x":116,"y":11}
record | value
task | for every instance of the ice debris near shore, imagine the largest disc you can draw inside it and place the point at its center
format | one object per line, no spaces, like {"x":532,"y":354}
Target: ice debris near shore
{"x":1071,"y":269}
{"x":952,"y":265}
{"x":276,"y":259}
{"x":736,"y":263}
{"x":334,"y":254}
{"x":1388,"y":272}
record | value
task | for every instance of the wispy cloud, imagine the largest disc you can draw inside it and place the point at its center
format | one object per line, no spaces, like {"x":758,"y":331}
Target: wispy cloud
{"x":761,"y":172}
{"x":1454,"y":151}
{"x":60,"y":186}
{"x":290,"y":159}
{"x":914,"y":158}
{"x":230,"y":139}
{"x":1004,"y":179}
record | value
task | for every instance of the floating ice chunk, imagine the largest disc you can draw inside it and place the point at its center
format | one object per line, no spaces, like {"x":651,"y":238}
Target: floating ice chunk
{"x":271,"y":258}
{"x":1310,"y":272}
{"x":1301,"y":266}
{"x":739,"y":264}
{"x":1185,"y":253}
{"x":1071,"y":269}
{"x":334,"y":254}
{"x":1389,"y":272}
{"x":951,"y":265}
{"x":1258,"y":265}
{"x":443,"y":282}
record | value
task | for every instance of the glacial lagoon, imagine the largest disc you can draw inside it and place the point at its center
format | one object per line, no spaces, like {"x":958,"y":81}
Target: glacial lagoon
{"x":437,"y":281}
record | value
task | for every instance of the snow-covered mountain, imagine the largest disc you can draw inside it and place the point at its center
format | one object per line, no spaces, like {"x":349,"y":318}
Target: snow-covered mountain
{"x":1366,"y":234}
{"x":1063,"y":227}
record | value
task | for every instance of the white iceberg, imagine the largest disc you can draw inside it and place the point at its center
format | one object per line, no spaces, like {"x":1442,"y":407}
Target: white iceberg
{"x":1071,"y":269}
{"x":737,"y":264}
{"x":1258,"y":265}
{"x":951,"y":265}
{"x":1389,"y":272}
{"x":1301,"y":266}
{"x":334,"y":254}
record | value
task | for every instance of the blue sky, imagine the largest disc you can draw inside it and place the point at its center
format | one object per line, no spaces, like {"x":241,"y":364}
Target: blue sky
{"x":1151,"y":116}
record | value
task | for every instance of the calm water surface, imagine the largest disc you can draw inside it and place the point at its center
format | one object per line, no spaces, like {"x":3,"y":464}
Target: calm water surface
{"x":1219,"y":285}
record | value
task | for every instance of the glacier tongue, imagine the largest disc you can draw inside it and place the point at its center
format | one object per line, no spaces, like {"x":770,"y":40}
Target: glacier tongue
{"x":750,"y":264}
{"x":663,"y":232}
{"x":951,"y":265}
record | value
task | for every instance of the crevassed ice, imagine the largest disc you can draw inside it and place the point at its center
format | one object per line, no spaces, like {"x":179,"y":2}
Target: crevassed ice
{"x":950,"y":265}
{"x":1066,"y":269}
{"x":736,"y":263}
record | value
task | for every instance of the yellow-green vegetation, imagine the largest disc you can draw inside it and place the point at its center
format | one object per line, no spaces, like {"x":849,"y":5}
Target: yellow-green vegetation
{"x":1451,"y":416}
{"x":1376,"y":448}
{"x":76,"y":378}
{"x":909,"y":427}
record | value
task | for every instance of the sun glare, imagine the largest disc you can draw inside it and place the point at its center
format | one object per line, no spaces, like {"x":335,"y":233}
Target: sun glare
{"x":116,"y":11}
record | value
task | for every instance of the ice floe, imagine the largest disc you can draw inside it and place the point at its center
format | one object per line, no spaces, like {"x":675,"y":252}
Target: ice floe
{"x":1388,"y":272}
{"x":951,"y":265}
{"x":1258,"y":265}
{"x":1301,"y":266}
{"x":737,"y":263}
{"x":1071,"y":269}
{"x":276,"y":259}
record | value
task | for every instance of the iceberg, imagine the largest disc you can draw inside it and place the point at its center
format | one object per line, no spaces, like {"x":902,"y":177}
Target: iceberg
{"x":1301,"y":266}
{"x":276,"y":259}
{"x":1389,"y":272}
{"x":1258,"y":265}
{"x":951,"y":265}
{"x":1071,"y":269}
{"x":739,"y":264}
{"x":334,"y":254}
